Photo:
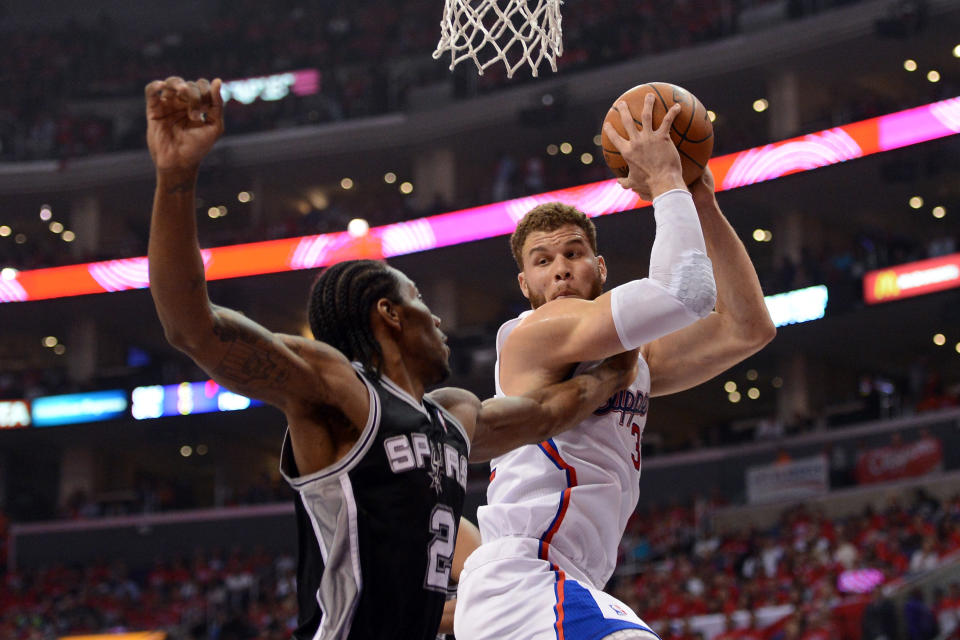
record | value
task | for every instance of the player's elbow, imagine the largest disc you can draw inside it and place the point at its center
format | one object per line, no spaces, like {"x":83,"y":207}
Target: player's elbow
{"x":692,"y":283}
{"x":760,"y":332}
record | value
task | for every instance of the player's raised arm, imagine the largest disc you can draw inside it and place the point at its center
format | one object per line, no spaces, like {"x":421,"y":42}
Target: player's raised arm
{"x":184,"y":120}
{"x":739,"y":327}
{"x":499,"y":425}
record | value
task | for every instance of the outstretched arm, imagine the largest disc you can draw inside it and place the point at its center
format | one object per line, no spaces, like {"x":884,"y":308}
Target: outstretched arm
{"x":184,"y":120}
{"x":740,"y":325}
{"x":502,"y":424}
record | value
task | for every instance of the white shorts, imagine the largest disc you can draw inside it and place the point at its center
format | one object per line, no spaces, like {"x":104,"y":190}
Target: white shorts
{"x":506,"y":592}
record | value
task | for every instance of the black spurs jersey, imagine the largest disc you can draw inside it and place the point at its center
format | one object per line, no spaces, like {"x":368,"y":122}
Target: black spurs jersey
{"x":377,"y":529}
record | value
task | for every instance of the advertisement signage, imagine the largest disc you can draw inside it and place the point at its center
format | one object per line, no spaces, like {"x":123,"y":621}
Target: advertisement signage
{"x":801,"y":305}
{"x":801,"y":478}
{"x":900,"y":461}
{"x":74,"y":408}
{"x":14,"y":414}
{"x":186,"y":398}
{"x":912,"y":279}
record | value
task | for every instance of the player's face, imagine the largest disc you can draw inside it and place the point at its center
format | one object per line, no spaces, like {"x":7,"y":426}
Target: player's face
{"x":560,"y":264}
{"x":422,"y":335}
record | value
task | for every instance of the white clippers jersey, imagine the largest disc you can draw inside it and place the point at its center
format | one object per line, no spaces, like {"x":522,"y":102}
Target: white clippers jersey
{"x":574,"y":492}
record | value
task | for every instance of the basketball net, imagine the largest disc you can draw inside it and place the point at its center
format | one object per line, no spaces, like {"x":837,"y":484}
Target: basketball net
{"x":514,"y":31}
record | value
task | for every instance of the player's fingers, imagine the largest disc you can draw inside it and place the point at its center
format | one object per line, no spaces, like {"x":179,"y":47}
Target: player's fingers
{"x":614,"y":136}
{"x":216,"y":98}
{"x":668,"y":119}
{"x":646,"y":114}
{"x":629,"y":123}
{"x":153,"y":90}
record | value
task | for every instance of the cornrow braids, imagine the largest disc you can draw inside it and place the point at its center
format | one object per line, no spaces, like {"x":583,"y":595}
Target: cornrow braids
{"x":339,"y":308}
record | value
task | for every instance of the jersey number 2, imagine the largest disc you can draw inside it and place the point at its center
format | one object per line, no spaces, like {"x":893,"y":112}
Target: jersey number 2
{"x":443,"y":525}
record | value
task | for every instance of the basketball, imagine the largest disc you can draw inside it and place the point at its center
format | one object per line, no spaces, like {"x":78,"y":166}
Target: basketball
{"x":692,"y":131}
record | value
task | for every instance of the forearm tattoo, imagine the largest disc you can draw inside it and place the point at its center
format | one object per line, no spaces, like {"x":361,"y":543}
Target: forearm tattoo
{"x":250,"y":359}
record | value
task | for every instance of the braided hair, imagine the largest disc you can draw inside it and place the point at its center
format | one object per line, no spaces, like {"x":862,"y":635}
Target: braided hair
{"x":339,"y":308}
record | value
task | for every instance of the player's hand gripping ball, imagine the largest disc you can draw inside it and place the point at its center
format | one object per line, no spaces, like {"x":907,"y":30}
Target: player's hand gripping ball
{"x":692,"y":131}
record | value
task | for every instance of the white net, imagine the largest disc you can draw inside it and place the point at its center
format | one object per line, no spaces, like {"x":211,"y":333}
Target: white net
{"x":513,"y":31}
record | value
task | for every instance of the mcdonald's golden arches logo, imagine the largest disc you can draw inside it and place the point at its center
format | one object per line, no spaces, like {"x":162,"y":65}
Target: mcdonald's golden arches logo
{"x":885,"y":286}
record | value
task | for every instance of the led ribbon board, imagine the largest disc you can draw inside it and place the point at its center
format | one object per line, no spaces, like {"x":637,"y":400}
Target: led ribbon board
{"x":185,"y":399}
{"x":824,"y":148}
{"x":912,"y":279}
{"x":51,"y":411}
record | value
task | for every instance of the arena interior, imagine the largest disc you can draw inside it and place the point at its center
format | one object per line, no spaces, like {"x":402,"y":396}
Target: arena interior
{"x":811,"y":492}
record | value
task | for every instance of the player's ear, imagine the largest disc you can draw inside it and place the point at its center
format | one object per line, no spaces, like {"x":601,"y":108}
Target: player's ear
{"x":389,"y":313}
{"x":602,"y":269}
{"x":523,"y":285}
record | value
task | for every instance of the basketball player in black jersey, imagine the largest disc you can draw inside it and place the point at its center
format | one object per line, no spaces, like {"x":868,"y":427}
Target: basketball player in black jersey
{"x":380,"y":466}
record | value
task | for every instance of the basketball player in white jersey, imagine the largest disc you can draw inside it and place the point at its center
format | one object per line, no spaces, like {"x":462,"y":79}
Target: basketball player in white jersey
{"x":557,"y":510}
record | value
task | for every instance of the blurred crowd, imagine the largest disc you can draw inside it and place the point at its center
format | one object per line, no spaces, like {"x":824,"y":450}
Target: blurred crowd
{"x":674,"y":565}
{"x":70,"y":85}
{"x":213,"y":595}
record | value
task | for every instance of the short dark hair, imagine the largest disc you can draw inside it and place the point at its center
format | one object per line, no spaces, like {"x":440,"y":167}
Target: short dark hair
{"x":550,"y":216}
{"x":340,"y":304}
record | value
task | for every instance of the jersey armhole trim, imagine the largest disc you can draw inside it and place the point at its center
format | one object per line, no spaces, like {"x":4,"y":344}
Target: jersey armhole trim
{"x":356,"y":453}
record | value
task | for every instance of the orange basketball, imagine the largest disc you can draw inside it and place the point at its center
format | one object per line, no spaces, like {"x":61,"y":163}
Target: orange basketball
{"x":692,"y":130}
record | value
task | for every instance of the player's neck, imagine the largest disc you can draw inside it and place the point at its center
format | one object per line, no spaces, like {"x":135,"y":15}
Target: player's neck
{"x":401,"y":374}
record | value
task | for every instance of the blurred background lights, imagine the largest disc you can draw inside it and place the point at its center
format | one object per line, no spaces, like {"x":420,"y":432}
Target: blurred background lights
{"x":244,"y":196}
{"x":406,"y":188}
{"x":186,"y":451}
{"x":389,"y":177}
{"x":910,"y":65}
{"x":552,"y":149}
{"x":933,"y":75}
{"x":729,"y":386}
{"x":8,"y":273}
{"x":346,"y":183}
{"x":566,"y":148}
{"x":939,"y":339}
{"x":939,"y":212}
{"x":358,"y":227}
{"x":734,"y":397}
{"x":586,"y":158}
{"x":753,"y":393}
{"x":50,"y":342}
{"x":45,"y":212}
{"x":5,"y":231}
{"x":68,"y":236}
{"x":56,"y":227}
{"x":760,"y":105}
{"x":916,"y":202}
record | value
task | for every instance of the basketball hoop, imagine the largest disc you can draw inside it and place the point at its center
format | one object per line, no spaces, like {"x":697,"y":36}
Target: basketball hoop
{"x":514,"y":31}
